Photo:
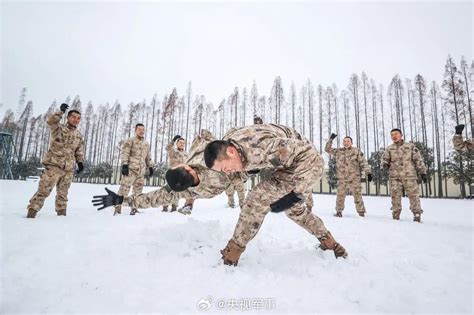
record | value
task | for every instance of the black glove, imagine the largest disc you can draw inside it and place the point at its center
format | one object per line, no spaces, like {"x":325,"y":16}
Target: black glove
{"x":111,"y":199}
{"x":386,"y":167}
{"x":459,"y":129}
{"x":176,"y":138}
{"x":286,"y":202}
{"x":424,"y":178}
{"x":333,"y":136}
{"x":150,"y":169}
{"x":64,"y":107}
{"x":369,"y":177}
{"x":125,"y":170}
{"x":80,"y":167}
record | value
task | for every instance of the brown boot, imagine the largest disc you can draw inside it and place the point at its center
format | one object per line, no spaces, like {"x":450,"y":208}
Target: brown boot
{"x":328,"y":242}
{"x":173,"y":208}
{"x":165,"y":209}
{"x":396,"y":214}
{"x":338,"y":214}
{"x":61,"y":212}
{"x":231,"y":253}
{"x":31,"y":213}
{"x":417,"y":217}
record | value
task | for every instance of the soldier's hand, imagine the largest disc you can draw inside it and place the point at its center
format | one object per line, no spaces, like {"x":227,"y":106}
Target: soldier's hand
{"x":333,"y":136}
{"x":369,"y":177}
{"x":459,"y":129}
{"x":125,"y":170}
{"x":80,"y":167}
{"x":64,"y":107}
{"x":176,"y":138}
{"x":424,"y":178}
{"x":104,"y":201}
{"x":150,"y":171}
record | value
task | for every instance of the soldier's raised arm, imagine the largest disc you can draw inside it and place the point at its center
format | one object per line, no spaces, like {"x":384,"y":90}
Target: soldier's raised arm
{"x":328,"y":147}
{"x":55,"y":119}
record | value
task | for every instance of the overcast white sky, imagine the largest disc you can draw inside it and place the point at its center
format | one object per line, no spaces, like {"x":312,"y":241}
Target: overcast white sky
{"x":129,"y":51}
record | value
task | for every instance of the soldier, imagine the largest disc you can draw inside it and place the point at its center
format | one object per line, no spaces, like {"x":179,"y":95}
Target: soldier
{"x":237,"y":183}
{"x":403,"y":160}
{"x":296,"y":166}
{"x":176,"y":156}
{"x":135,"y":160}
{"x":199,"y":182}
{"x":66,"y":149}
{"x":349,"y":163}
{"x":459,"y":144}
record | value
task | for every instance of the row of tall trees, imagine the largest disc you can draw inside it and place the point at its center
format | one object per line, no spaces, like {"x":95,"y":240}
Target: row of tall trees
{"x":426,"y":112}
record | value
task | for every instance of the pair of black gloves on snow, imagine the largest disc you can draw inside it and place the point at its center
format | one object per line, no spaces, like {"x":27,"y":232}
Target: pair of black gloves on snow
{"x":125,"y":171}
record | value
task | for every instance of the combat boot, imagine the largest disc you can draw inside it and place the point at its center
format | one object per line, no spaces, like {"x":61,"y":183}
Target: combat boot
{"x":328,"y":242}
{"x":417,"y":217}
{"x":31,"y":214}
{"x":361,"y":214}
{"x":396,"y":214}
{"x":61,"y":212}
{"x":165,"y":209}
{"x":338,"y":214}
{"x":173,"y":208}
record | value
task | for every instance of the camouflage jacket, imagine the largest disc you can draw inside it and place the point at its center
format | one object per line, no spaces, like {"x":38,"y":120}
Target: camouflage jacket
{"x":275,"y":147}
{"x":461,"y":145}
{"x":175,"y":156}
{"x":403,"y":160}
{"x":66,"y":144}
{"x":349,"y":162}
{"x":135,"y":153}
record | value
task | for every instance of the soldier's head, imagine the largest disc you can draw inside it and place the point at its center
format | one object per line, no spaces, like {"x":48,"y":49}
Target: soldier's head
{"x":73,"y":117}
{"x":222,"y":156}
{"x":140,"y":130}
{"x":396,"y":135}
{"x":347,"y":142}
{"x":181,"y":177}
{"x":257,"y":120}
{"x":180,"y":144}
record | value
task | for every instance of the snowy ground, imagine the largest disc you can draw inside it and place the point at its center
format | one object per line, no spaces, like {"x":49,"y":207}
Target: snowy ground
{"x":92,"y":262}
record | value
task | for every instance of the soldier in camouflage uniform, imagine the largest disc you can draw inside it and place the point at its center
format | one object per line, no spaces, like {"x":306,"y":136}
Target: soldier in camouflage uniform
{"x":176,"y":156}
{"x":136,"y":161}
{"x":296,"y":166}
{"x":403,"y":160}
{"x":205,"y":183}
{"x":349,"y":163}
{"x":458,"y":142}
{"x":237,"y":184}
{"x":66,"y":149}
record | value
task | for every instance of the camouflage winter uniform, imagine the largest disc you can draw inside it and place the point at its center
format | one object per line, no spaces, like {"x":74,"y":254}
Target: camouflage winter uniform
{"x":403,"y":160}
{"x":461,"y":145}
{"x":296,"y":166}
{"x":211,"y":183}
{"x":66,"y":149}
{"x":349,"y":164}
{"x":237,"y":183}
{"x":135,"y":153}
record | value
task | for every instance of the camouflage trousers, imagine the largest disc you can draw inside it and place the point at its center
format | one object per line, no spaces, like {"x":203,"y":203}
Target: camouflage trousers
{"x":355,"y":188}
{"x":238,"y":186}
{"x":280,"y":183}
{"x":412,"y":191}
{"x":174,"y":202}
{"x":52,"y":176}
{"x":133,"y":180}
